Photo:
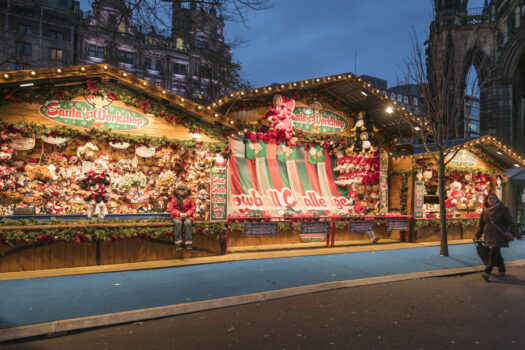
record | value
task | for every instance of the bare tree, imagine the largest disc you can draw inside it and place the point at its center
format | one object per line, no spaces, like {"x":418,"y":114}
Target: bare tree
{"x":440,"y":77}
{"x":157,"y":13}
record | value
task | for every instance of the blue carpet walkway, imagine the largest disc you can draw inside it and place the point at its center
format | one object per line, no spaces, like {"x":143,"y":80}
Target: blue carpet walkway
{"x":38,"y":300}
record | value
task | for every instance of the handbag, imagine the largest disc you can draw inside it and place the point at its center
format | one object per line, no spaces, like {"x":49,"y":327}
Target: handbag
{"x":507,"y":235}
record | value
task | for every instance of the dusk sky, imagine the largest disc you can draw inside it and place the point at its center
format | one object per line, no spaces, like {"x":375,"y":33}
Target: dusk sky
{"x":300,"y":39}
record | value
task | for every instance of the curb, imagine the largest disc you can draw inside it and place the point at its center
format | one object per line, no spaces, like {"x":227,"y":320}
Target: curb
{"x":179,"y":309}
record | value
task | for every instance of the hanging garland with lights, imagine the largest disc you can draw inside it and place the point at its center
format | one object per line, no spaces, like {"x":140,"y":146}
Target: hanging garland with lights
{"x":403,"y":197}
{"x":421,"y":166}
{"x":87,"y":233}
{"x":462,"y":223}
{"x":38,"y":130}
{"x":266,"y":101}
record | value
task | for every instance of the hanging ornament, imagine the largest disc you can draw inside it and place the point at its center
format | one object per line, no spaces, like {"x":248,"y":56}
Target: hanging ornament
{"x":23,"y":143}
{"x":119,"y":145}
{"x":54,"y":140}
{"x":145,"y":152}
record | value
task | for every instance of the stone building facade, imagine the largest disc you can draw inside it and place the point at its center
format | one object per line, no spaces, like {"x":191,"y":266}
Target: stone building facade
{"x":492,"y":40}
{"x":37,"y":34}
{"x":193,"y":62}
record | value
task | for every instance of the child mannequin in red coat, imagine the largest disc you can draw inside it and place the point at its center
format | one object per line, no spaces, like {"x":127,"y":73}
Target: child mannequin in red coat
{"x":182,"y":207}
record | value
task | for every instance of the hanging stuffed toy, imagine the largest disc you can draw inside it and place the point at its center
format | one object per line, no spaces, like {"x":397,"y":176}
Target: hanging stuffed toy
{"x":280,"y":118}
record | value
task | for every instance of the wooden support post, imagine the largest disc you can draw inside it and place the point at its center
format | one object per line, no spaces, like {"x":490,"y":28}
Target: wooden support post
{"x":333,"y":234}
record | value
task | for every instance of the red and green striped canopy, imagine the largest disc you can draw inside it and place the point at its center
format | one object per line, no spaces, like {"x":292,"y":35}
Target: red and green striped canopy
{"x":276,"y":180}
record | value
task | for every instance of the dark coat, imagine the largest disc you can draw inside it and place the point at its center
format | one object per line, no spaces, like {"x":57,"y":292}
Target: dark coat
{"x":503,"y":220}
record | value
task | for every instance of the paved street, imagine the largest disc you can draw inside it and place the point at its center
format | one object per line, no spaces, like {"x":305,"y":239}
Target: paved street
{"x":457,"y":312}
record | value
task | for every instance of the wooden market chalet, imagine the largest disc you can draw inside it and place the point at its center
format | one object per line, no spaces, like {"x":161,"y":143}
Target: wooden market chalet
{"x":311,"y":163}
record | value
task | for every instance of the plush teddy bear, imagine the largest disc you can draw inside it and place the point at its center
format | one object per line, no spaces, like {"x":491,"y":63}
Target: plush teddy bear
{"x":88,"y":152}
{"x":456,"y":193}
{"x":20,"y":174}
{"x":38,"y":172}
{"x":427,"y":175}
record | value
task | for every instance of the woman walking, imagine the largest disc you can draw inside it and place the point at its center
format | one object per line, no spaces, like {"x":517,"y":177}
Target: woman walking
{"x":493,"y":223}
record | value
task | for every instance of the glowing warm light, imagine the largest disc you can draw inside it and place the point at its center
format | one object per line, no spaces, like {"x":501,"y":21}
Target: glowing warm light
{"x":389,"y":110}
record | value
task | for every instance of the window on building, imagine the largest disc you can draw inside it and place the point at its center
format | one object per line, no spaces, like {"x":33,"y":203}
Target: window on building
{"x":23,"y":48}
{"x":147,"y":63}
{"x":179,"y":89}
{"x":415,"y":101}
{"x":179,"y":68}
{"x":393,"y":96}
{"x":399,"y":98}
{"x":56,"y":35}
{"x":158,"y":65}
{"x":205,"y":72}
{"x":56,"y":55}
{"x":201,"y":43}
{"x":25,"y":28}
{"x":473,"y":127}
{"x":122,"y":27}
{"x":125,"y":57}
{"x":112,"y":21}
{"x":180,"y":44}
{"x":96,"y":51}
{"x":405,"y":99}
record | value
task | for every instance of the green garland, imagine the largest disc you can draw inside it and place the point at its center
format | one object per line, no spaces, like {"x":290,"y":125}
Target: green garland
{"x":463,"y":223}
{"x":421,"y":166}
{"x":403,"y":198}
{"x":86,"y":234}
{"x":290,"y":226}
{"x":267,"y":101}
{"x":37,"y":130}
{"x":115,"y":93}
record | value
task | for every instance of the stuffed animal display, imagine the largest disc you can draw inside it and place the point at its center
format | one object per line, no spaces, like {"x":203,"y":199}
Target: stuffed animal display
{"x":280,"y":118}
{"x":97,"y":179}
{"x":465,"y":191}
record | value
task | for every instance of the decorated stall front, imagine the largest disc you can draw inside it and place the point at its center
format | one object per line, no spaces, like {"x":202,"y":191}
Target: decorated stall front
{"x":89,"y":159}
{"x":311,"y":164}
{"x":477,"y":168}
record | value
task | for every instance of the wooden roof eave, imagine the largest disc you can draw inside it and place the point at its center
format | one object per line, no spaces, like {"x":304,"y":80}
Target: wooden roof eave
{"x":493,"y":147}
{"x":351,"y":90}
{"x":62,"y":75}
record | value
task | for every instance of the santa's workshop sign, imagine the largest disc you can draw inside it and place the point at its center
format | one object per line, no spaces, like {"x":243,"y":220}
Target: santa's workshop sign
{"x":324,"y":122}
{"x":464,"y":159}
{"x":94,"y":112}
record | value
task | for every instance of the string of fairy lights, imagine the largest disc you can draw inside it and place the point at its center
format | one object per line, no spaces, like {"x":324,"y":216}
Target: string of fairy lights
{"x":520,"y":161}
{"x":391,"y":106}
{"x":211,"y":110}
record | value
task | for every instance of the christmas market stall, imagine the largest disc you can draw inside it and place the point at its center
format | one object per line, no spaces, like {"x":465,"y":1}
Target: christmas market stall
{"x":310,"y":165}
{"x":478,"y":167}
{"x":89,"y":159}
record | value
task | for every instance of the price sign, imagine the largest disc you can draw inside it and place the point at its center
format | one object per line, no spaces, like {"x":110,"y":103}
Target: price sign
{"x":361,"y":226}
{"x":397,"y":225}
{"x":260,"y":229}
{"x":314,"y":231}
